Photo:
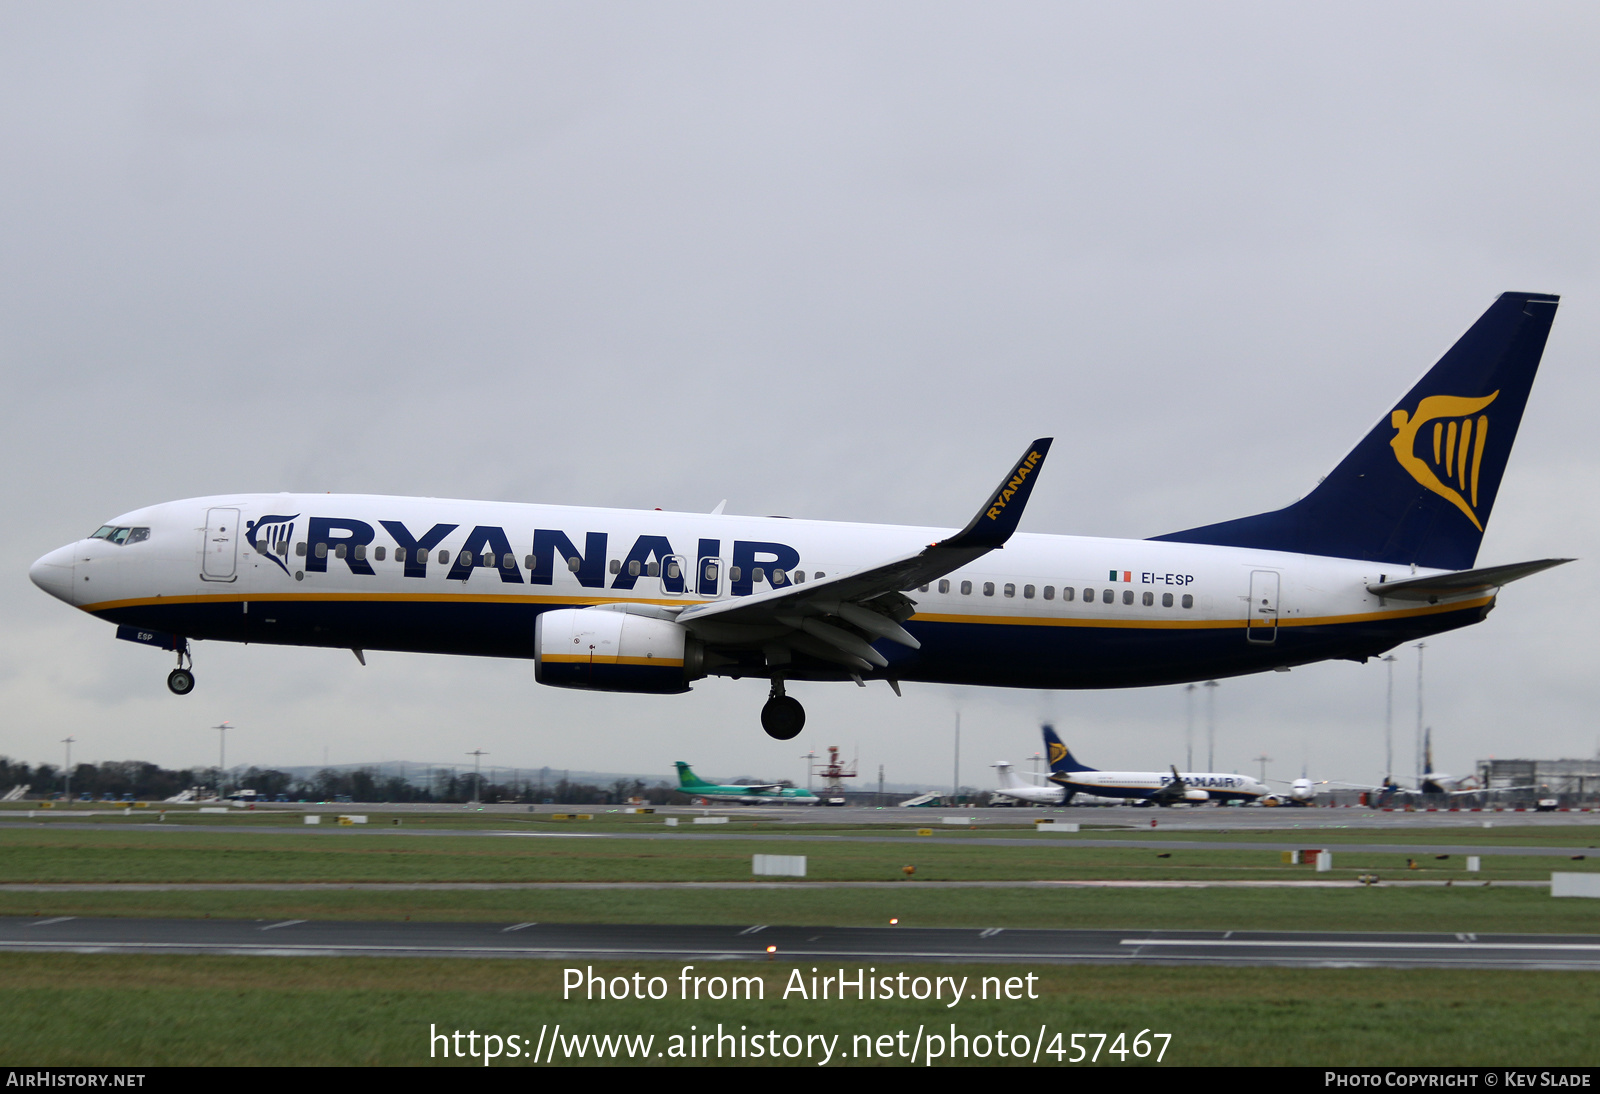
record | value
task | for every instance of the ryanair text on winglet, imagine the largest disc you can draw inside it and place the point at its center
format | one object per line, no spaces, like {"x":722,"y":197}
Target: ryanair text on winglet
{"x":1024,"y":469}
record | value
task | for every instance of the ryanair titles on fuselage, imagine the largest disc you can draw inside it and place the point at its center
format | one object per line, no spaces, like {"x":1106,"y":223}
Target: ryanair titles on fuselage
{"x":347,"y":540}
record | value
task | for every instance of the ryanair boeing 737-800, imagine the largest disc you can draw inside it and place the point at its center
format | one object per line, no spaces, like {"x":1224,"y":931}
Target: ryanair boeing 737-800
{"x":1380,"y":553}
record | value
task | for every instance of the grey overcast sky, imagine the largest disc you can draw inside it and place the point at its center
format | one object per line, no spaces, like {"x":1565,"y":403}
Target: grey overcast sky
{"x":832,"y":260}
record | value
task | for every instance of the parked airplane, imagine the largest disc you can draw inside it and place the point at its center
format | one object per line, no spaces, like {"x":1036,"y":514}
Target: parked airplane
{"x":1379,"y":553}
{"x":1011,"y":786}
{"x":763,"y":794}
{"x":1151,"y":787}
{"x":1301,"y":792}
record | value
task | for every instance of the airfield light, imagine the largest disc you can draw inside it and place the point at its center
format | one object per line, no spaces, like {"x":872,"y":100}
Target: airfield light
{"x":893,"y":921}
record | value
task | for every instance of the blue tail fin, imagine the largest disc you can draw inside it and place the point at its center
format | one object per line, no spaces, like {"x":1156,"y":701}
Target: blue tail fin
{"x":1061,"y":761}
{"x":1419,"y":488}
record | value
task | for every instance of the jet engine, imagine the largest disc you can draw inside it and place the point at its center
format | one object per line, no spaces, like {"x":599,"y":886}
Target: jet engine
{"x":602,"y":649}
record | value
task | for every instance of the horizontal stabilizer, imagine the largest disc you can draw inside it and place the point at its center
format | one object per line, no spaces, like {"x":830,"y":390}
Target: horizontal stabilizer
{"x":1462,"y":582}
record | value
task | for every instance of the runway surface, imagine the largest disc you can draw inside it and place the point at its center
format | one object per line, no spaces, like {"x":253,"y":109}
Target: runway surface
{"x":300,"y":938}
{"x":1284,"y":842}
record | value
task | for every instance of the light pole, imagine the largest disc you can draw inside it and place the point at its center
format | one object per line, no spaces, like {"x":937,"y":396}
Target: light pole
{"x":1263,"y":760}
{"x":811,"y":762}
{"x":67,"y":766}
{"x":1211,"y":724}
{"x":1417,"y":770}
{"x":477,"y":776}
{"x":955,"y":787}
{"x":1388,"y":722}
{"x":1188,"y":761}
{"x":222,"y":757}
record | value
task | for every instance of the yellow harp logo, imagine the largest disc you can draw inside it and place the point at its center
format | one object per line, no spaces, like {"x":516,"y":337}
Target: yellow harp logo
{"x":1058,"y":752}
{"x":1458,"y":440}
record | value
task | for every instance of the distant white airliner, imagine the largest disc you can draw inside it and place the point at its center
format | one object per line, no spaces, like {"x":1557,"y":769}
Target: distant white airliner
{"x":1378,"y":554}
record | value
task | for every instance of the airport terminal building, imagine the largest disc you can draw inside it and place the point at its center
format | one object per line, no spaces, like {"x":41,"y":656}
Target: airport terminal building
{"x":1573,"y":782}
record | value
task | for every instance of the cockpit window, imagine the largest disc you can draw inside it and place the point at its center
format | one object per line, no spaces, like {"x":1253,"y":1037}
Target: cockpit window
{"x":122,"y":536}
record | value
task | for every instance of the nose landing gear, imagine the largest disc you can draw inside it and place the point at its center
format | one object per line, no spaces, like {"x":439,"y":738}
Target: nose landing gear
{"x":180,"y":681}
{"x":783,"y":717}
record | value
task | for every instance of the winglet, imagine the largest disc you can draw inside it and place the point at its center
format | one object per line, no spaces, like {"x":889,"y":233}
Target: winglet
{"x":998,"y":518}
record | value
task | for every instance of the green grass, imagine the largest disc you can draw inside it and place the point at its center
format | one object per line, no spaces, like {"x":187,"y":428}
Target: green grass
{"x":132,"y":1012}
{"x":1465,"y":908}
{"x":157,"y":853}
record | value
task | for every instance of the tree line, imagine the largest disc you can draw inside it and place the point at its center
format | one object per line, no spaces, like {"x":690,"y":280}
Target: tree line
{"x":151,"y":782}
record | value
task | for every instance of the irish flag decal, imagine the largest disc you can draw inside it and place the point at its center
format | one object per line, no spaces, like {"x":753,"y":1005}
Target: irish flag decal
{"x":1121,"y":575}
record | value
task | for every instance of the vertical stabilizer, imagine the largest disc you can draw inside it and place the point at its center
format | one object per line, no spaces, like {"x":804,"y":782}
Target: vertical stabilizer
{"x":1061,"y":761}
{"x":1419,"y":488}
{"x":687,"y":778}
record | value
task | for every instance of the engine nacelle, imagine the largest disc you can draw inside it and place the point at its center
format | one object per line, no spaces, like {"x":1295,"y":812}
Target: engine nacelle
{"x":604,"y":650}
{"x":1196,"y":796}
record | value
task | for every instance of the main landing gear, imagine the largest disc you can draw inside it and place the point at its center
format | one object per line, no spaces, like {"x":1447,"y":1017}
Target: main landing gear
{"x":180,"y":681}
{"x":783,"y":717}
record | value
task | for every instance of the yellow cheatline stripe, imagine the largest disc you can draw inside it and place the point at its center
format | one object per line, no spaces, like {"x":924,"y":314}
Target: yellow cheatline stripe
{"x":597,"y":659}
{"x":368,"y":598}
{"x":1199,"y":624}
{"x":921,"y":617}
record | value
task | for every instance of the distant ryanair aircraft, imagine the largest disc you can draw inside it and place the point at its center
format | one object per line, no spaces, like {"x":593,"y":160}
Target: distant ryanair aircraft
{"x":1380,"y":553}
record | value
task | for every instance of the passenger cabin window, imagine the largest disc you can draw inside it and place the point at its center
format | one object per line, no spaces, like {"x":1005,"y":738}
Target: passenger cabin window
{"x":1088,"y":596}
{"x":758,"y":575}
{"x":944,"y":584}
{"x":800,"y":579}
{"x":988,"y":588}
{"x":1188,"y":601}
{"x":633,"y":567}
{"x":711,"y":571}
{"x":1149,"y":599}
{"x":616,"y":565}
{"x":509,"y":562}
{"x":575,"y":563}
{"x":380,"y":553}
{"x":966,"y":588}
{"x":341,"y":551}
{"x":1027,"y":592}
{"x":1068,"y":592}
{"x":672,"y":570}
{"x":300,"y":549}
{"x":734,"y":572}
{"x":444,"y":555}
{"x":1127,"y":596}
{"x":922,"y":588}
{"x":322,"y":550}
{"x":1049,"y":592}
{"x":819,"y":575}
{"x":1009,"y":590}
{"x":1166,"y":600}
{"x":1108,"y":596}
{"x":652,"y":570}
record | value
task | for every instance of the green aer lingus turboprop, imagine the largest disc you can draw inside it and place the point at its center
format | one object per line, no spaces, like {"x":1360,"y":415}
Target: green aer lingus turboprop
{"x":693,"y":785}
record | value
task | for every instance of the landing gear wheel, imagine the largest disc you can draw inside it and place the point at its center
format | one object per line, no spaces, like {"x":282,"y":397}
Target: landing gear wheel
{"x":181,"y":682}
{"x":783,"y":717}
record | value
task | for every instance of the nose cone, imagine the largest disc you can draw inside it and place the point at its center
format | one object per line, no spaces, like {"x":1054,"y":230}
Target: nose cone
{"x":53,"y":573}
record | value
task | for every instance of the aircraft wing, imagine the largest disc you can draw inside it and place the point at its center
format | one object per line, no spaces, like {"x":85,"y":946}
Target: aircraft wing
{"x":837,"y":618}
{"x":1462,"y":582}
